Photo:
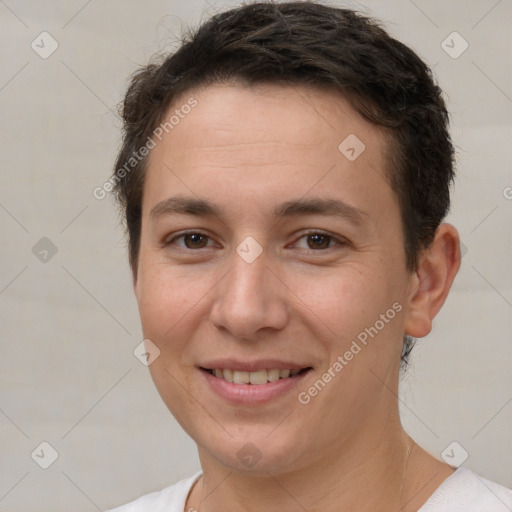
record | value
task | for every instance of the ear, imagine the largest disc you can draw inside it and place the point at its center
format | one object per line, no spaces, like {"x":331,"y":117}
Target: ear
{"x":432,"y":280}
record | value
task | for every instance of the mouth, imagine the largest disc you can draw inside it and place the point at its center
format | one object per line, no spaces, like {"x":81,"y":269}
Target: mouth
{"x":255,"y":378}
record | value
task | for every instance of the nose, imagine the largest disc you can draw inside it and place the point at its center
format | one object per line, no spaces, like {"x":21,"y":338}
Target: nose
{"x":250,"y":300}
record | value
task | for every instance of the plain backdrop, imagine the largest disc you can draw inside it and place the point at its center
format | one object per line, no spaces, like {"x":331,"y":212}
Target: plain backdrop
{"x":68,"y":375}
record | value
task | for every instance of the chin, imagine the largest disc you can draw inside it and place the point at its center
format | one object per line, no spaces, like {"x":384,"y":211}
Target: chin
{"x":254,"y":452}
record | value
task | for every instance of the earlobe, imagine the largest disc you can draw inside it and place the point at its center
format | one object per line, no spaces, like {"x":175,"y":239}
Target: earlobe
{"x":431,"y":282}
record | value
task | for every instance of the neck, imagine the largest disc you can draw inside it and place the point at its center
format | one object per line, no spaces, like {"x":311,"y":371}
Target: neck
{"x":367,"y":473}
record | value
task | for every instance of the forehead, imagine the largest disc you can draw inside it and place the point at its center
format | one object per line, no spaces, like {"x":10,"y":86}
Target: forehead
{"x":269,"y":140}
{"x":305,"y":118}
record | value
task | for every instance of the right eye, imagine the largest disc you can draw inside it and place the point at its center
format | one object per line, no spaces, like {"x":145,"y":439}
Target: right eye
{"x":191,"y":240}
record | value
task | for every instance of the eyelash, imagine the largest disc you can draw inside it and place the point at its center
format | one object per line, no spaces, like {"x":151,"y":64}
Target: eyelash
{"x":338,"y":241}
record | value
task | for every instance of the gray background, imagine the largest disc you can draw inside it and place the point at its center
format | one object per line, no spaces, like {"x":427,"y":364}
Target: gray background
{"x":69,"y":321}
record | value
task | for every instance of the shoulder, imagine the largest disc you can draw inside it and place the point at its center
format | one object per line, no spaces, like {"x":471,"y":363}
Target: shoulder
{"x":170,"y":499}
{"x":465,"y":491}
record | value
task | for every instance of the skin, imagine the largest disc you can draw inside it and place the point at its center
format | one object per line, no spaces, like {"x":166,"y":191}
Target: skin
{"x":248,"y":149}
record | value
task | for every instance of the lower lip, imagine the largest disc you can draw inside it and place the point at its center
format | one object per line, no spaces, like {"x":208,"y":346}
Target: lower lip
{"x":252,"y":393}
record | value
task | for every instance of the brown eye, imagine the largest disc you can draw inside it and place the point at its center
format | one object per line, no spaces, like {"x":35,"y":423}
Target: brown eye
{"x":190,"y":240}
{"x":195,"y":240}
{"x":319,"y":241}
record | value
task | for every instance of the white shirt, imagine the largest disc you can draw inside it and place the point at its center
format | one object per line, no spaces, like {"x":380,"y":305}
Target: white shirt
{"x":462,"y":491}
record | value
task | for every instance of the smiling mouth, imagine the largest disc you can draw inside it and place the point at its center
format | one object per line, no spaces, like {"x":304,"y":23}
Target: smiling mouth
{"x":259,"y":377}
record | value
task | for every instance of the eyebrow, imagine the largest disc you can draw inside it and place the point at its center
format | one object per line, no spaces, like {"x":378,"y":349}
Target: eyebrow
{"x":314,"y":206}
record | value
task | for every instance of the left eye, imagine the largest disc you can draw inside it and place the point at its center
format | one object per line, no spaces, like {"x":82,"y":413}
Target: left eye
{"x":318,"y":240}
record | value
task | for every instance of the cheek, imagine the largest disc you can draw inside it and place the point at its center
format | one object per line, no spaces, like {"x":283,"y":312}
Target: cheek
{"x":356,"y":314}
{"x":346,"y":299}
{"x":165,"y":295}
{"x":174,"y":304}
{"x":168,"y":305}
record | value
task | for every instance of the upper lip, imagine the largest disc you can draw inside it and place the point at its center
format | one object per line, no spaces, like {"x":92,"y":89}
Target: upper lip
{"x":252,"y":366}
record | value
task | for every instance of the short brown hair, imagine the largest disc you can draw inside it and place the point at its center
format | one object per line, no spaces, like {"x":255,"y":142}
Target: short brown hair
{"x":314,"y":44}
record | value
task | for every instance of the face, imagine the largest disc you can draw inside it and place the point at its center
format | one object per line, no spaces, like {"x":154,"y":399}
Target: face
{"x":271,"y":275}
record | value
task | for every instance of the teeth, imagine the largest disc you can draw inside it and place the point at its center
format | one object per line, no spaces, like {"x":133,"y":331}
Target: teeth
{"x":273,"y":375}
{"x":259,"y":377}
{"x":240,"y":377}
